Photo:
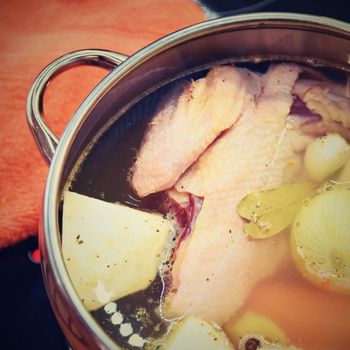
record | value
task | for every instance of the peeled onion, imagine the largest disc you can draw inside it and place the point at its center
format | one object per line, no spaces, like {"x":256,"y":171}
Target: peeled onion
{"x":321,"y":241}
{"x":325,"y":155}
{"x":343,"y":175}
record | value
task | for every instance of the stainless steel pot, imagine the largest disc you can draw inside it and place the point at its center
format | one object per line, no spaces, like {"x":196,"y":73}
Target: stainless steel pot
{"x":316,"y":40}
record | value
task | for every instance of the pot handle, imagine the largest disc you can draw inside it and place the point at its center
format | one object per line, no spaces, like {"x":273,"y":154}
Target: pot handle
{"x":45,"y":138}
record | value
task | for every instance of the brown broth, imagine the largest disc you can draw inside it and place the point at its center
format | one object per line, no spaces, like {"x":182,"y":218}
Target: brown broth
{"x":312,"y":318}
{"x":104,"y":175}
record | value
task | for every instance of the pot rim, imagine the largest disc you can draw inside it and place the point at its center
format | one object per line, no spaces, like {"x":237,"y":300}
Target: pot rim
{"x":50,"y":242}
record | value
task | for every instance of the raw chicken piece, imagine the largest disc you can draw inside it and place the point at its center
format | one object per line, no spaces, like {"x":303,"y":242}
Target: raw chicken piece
{"x":332,"y":107}
{"x":254,"y":143}
{"x":329,"y":102}
{"x":182,"y":199}
{"x":302,"y":85}
{"x":217,"y":266}
{"x":320,"y":128}
{"x":294,"y":142}
{"x":188,"y":121}
{"x":298,"y":140}
{"x":184,"y":207}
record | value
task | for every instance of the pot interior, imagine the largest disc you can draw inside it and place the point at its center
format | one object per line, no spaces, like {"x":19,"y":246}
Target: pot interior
{"x":102,"y":140}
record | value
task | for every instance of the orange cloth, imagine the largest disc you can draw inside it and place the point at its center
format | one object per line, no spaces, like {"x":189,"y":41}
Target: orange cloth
{"x":33,"y":33}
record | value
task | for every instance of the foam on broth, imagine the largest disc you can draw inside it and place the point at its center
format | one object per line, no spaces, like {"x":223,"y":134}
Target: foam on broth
{"x":311,"y":317}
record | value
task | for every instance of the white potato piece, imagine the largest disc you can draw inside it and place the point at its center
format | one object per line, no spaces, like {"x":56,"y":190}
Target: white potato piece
{"x":193,"y":333}
{"x":325,"y":155}
{"x":110,"y":250}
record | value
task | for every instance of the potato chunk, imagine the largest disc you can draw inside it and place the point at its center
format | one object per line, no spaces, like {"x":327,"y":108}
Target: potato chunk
{"x":110,"y":250}
{"x":253,"y":323}
{"x":192,"y":333}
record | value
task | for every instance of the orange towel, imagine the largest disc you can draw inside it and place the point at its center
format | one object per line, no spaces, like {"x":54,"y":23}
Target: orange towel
{"x":33,"y":33}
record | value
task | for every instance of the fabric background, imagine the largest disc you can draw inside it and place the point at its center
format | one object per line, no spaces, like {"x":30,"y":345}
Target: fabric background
{"x":32,"y":34}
